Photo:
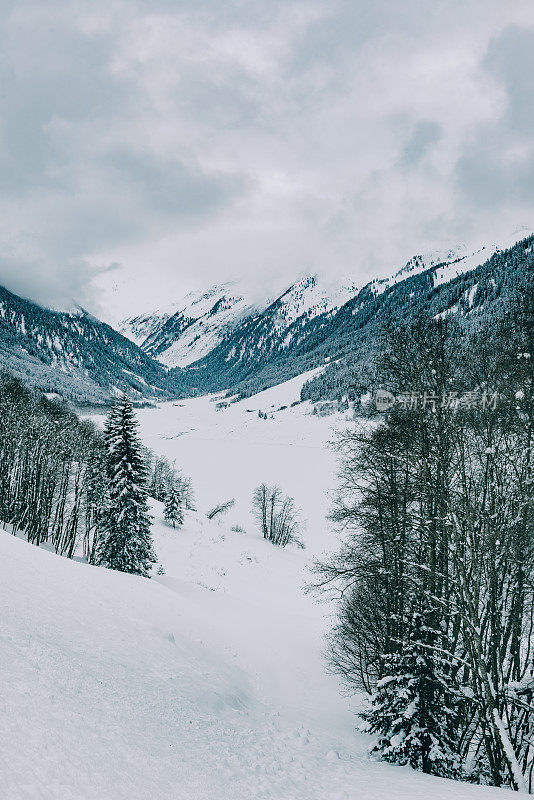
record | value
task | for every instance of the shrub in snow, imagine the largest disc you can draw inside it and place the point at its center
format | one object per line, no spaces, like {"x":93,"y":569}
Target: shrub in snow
{"x":163,"y":476}
{"x":221,"y":508}
{"x":173,"y":512}
{"x":238,"y":529}
{"x":277,"y":516}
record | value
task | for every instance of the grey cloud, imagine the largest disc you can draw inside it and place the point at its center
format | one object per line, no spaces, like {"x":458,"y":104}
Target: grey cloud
{"x":60,"y":287}
{"x":173,"y":187}
{"x":489,"y":180}
{"x":510,"y":58}
{"x":208,"y":138}
{"x":49,"y":71}
{"x":348,"y":26}
{"x":424,"y":135}
{"x":230,"y":101}
{"x":68,"y":188}
{"x":345,"y":28}
{"x":496,"y":169}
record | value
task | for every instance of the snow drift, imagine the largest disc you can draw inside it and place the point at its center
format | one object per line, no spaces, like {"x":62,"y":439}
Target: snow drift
{"x":114,"y":686}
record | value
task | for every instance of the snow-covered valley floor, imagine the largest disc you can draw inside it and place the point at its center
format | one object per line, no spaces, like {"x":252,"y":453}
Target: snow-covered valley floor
{"x":207,"y":682}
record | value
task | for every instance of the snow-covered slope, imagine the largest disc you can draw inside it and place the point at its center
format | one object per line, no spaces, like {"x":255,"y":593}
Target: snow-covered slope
{"x":187,"y":330}
{"x":205,"y":683}
{"x":451,"y":261}
{"x":73,"y":353}
{"x":114,"y":687}
{"x":190,"y":329}
{"x":139,"y":328}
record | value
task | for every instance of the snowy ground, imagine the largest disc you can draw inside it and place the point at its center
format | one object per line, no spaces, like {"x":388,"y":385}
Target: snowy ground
{"x":207,"y":682}
{"x":229,"y":452}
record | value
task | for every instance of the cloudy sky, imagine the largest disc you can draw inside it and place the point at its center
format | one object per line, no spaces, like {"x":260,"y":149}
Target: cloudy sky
{"x":148,"y":147}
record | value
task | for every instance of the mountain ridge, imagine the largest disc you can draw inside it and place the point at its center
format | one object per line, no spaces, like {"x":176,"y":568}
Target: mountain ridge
{"x":256,"y":355}
{"x":222,"y":342}
{"x":203,"y":319}
{"x":184,"y":333}
{"x":74,"y":354}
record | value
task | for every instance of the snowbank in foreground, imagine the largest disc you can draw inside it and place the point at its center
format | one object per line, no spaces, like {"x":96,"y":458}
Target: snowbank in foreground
{"x":114,"y":687}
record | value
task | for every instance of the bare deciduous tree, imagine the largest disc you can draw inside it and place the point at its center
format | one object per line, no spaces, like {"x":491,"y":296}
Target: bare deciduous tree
{"x":277,"y":516}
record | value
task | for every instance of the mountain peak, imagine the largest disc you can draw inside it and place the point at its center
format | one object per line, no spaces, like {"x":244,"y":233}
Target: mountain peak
{"x":187,"y":330}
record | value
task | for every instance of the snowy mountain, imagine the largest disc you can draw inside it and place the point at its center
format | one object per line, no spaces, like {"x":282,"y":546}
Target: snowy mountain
{"x":309,"y":297}
{"x":73,"y":354}
{"x":195,"y":328}
{"x":139,"y":328}
{"x":283,"y":322}
{"x":190,"y":329}
{"x":221,"y":340}
{"x":304,"y":329}
{"x":452,"y":261}
{"x":202,"y":320}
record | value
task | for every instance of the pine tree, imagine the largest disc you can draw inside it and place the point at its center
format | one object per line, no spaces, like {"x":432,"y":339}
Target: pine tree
{"x":411,"y":710}
{"x":173,"y":507}
{"x":126,"y":542}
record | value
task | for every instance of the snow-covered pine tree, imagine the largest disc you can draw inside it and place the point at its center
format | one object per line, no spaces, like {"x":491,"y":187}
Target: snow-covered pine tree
{"x":173,"y":507}
{"x":411,"y":709}
{"x":126,"y":541}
